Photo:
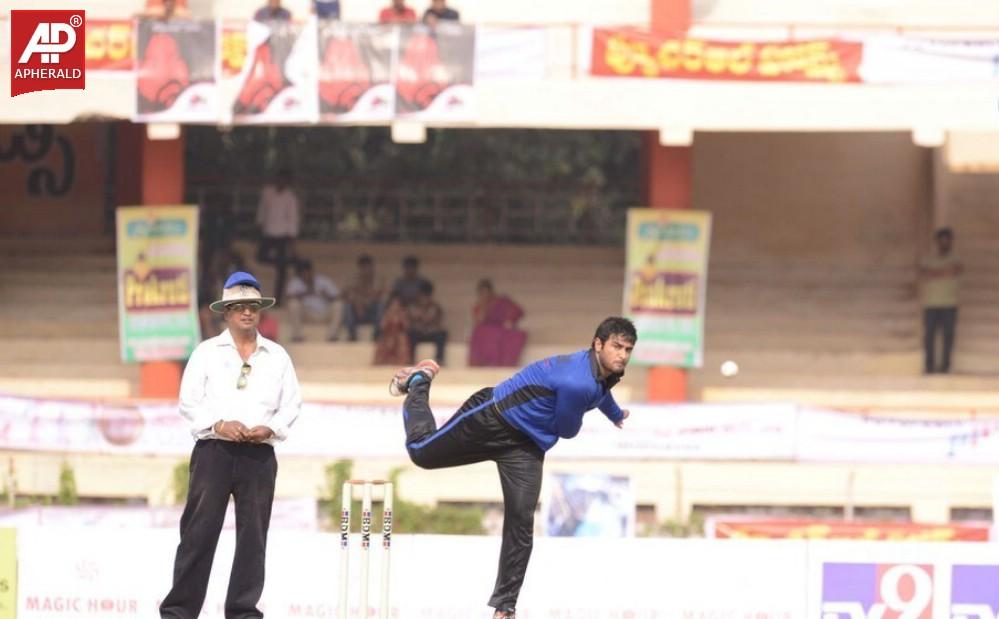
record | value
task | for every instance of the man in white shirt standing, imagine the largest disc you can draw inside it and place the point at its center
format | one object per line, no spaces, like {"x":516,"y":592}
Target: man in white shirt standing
{"x":312,"y":298}
{"x":279,"y":218}
{"x":240,"y":396}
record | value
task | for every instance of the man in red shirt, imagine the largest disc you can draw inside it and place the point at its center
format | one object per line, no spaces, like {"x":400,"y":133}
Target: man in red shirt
{"x":398,"y":13}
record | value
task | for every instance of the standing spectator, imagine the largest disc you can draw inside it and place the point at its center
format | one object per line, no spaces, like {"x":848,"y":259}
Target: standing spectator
{"x":411,"y":283}
{"x":439,"y":11}
{"x":167,"y":9}
{"x":426,"y":323}
{"x":392,"y":345}
{"x":496,"y":340}
{"x":214,"y":271}
{"x":312,"y":298}
{"x":239,"y":395}
{"x":326,"y":9}
{"x":272,"y":11}
{"x":363,"y":299}
{"x":940,"y":275}
{"x":398,"y":13}
{"x":279,"y":218}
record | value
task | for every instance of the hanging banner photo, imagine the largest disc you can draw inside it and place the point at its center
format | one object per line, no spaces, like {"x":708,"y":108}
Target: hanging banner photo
{"x":435,"y":73}
{"x":278,"y":82}
{"x":233,"y":53}
{"x":175,"y":71}
{"x":109,"y":46}
{"x":157,"y":275}
{"x":355,"y":71}
{"x":666,"y":284}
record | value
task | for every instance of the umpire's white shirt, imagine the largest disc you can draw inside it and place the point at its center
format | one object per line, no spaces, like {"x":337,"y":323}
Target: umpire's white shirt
{"x":208,"y":390}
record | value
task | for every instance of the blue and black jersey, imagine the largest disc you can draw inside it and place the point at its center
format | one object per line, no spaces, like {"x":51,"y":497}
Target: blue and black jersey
{"x":547,"y":399}
{"x":512,"y":424}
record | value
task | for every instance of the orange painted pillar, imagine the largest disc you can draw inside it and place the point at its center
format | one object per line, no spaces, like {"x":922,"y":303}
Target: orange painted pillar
{"x":670,"y":15}
{"x":666,"y":183}
{"x":162,"y":183}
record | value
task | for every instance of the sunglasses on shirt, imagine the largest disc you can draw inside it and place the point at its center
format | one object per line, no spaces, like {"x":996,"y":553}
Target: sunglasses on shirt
{"x":243,"y":373}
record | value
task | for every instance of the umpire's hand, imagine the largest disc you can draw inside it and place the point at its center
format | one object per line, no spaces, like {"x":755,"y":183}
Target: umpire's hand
{"x":624,"y":415}
{"x":232,"y":430}
{"x":259,"y":434}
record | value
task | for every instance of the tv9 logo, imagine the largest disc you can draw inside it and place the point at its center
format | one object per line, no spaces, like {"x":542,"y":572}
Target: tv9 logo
{"x":877,"y":591}
{"x":47,"y":51}
{"x":974,"y":592}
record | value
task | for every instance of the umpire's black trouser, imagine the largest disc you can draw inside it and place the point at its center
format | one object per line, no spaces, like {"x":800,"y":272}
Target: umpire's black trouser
{"x":219,"y":468}
{"x":477,"y":432}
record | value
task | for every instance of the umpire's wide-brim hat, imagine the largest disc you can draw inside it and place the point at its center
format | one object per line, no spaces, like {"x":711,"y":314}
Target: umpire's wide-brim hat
{"x":241,"y":287}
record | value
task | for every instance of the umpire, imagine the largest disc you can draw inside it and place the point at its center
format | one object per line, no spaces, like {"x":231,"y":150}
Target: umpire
{"x":240,"y":395}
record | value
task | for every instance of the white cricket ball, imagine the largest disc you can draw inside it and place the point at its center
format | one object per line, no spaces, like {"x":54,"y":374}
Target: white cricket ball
{"x":729,"y":369}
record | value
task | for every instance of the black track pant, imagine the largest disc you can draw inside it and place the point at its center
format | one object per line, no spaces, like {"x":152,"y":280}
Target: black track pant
{"x":218,"y":469}
{"x":943,"y":319}
{"x":477,"y":433}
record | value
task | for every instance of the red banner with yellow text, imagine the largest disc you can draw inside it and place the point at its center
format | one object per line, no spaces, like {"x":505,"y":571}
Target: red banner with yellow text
{"x":623,"y":52}
{"x":109,"y":45}
{"x":731,"y":528}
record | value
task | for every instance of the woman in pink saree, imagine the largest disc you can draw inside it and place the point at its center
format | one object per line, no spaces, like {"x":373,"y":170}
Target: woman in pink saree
{"x":496,"y":340}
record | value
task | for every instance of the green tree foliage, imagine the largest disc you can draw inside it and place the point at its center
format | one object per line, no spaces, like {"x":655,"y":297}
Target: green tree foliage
{"x":408,"y":517}
{"x":67,"y":486}
{"x":181,"y":482}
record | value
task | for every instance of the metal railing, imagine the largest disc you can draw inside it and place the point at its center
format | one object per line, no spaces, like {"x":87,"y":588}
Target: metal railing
{"x":437,"y":215}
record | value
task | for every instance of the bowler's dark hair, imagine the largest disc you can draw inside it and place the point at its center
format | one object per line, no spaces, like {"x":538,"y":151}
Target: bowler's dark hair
{"x":411,"y":261}
{"x":616,"y":325}
{"x":364,"y":259}
{"x":944,"y":233}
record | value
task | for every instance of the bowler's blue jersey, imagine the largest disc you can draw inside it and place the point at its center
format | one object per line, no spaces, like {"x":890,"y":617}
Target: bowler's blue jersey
{"x":547,"y":399}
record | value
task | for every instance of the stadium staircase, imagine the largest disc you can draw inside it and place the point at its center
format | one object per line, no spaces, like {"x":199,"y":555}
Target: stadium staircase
{"x":845,"y":337}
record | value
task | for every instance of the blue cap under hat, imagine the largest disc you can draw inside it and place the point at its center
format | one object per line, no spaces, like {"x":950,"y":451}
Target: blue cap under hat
{"x":242,"y":277}
{"x":241,"y":287}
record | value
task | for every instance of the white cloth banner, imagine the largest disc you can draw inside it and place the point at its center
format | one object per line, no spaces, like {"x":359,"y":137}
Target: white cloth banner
{"x":898,"y":60}
{"x":298,"y":514}
{"x":826,"y":436}
{"x":682,"y":432}
{"x":364,"y":431}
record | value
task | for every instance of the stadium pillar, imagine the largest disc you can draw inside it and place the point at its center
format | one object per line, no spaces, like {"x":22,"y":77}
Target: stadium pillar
{"x":162,"y":166}
{"x":666,"y":183}
{"x":670,"y":15}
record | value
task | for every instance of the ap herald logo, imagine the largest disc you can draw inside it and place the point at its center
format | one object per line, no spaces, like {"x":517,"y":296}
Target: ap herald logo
{"x":47,"y":51}
{"x":877,"y":591}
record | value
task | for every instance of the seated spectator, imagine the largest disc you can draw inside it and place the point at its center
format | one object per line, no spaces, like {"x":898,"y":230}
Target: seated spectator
{"x":496,"y":340}
{"x":398,"y":13}
{"x":439,"y":11}
{"x":312,"y":298}
{"x":268,"y":325}
{"x":326,"y":9}
{"x":426,"y":318}
{"x":392,"y":346}
{"x":409,"y":286}
{"x":272,"y":12}
{"x":363,"y":299}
